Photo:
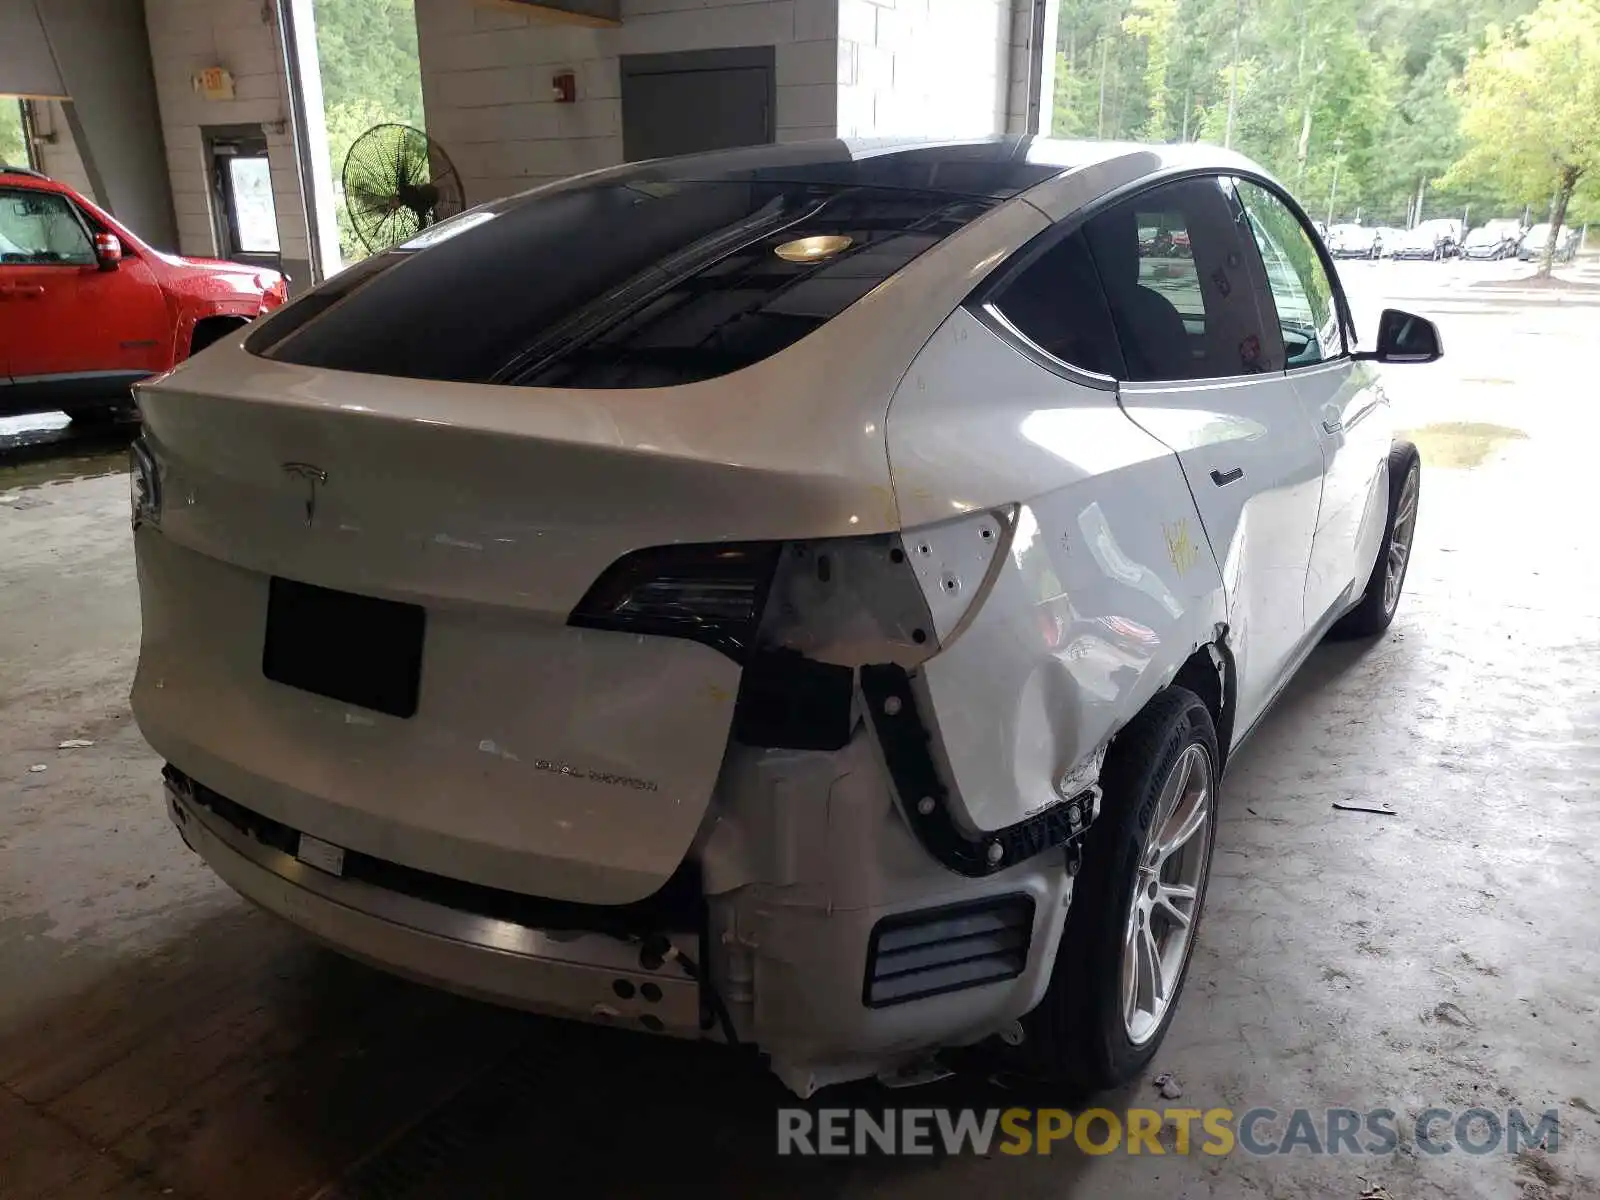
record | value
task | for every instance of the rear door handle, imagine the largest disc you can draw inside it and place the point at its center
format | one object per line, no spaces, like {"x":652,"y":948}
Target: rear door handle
{"x":1224,"y":478}
{"x":22,"y":290}
{"x":1333,"y":426}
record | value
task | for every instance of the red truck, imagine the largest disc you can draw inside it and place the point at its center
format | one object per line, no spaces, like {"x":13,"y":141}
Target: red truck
{"x":87,"y":308}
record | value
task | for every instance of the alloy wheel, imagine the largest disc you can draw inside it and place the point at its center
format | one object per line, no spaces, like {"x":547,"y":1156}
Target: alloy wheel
{"x":1400,"y":539}
{"x":1167,"y":889}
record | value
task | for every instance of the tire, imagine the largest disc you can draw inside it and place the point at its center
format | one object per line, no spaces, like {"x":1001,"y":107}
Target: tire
{"x":1374,"y":612}
{"x":97,"y":415}
{"x":1079,"y":1037}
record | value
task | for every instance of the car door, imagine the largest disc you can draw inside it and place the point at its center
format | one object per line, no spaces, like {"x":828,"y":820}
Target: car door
{"x":62,"y":315}
{"x":1345,"y":408}
{"x":1204,"y":374}
{"x":127,"y":321}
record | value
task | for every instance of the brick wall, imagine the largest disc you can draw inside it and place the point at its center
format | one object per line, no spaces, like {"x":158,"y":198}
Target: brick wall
{"x":241,"y":35}
{"x":486,"y":75}
{"x":923,"y":67}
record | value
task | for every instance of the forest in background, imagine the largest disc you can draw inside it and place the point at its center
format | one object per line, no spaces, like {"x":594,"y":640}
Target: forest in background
{"x":1357,"y":102}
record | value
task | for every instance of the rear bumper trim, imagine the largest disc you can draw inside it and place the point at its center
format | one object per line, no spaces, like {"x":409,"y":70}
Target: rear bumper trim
{"x":590,"y":976}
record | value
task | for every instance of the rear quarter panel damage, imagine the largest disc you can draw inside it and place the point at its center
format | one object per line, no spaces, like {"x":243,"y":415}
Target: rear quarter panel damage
{"x":1105,"y":586}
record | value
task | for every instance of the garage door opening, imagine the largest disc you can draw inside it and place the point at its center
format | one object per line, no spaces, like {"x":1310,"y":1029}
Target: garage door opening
{"x":371,"y":75}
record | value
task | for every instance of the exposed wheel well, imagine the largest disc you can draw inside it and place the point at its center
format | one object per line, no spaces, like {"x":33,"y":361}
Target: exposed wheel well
{"x":1214,"y":682}
{"x":209,"y":329}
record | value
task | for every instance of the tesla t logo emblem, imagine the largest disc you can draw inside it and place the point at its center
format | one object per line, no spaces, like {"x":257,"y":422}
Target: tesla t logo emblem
{"x":313,"y":475}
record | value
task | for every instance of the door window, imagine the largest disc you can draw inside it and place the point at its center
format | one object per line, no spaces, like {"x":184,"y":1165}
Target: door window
{"x":1178,"y":274}
{"x":1301,"y":289}
{"x":1056,"y":303}
{"x":41,"y":229}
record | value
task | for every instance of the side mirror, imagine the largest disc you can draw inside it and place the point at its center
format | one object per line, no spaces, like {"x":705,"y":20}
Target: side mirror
{"x":108,"y":249}
{"x":1404,"y":338}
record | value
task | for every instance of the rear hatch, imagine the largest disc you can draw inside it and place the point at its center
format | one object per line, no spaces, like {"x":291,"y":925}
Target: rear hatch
{"x":380,"y":510}
{"x":530,"y":754}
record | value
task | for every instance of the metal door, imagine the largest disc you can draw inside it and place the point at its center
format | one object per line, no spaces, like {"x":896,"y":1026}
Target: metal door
{"x":698,"y":101}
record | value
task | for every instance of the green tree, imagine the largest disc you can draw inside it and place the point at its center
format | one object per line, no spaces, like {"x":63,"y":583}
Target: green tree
{"x":1358,"y":88}
{"x":1154,"y":24}
{"x":1530,"y":108}
{"x":13,"y":149}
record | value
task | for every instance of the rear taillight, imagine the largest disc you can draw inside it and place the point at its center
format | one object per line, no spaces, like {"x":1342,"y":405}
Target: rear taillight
{"x":710,"y":593}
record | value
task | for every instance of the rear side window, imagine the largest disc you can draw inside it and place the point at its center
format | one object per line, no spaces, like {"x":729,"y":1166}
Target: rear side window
{"x":1179,"y":279}
{"x":625,"y":284}
{"x":1055,"y":302}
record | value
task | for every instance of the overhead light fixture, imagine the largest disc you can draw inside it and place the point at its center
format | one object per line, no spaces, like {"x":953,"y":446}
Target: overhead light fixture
{"x":815,"y":248}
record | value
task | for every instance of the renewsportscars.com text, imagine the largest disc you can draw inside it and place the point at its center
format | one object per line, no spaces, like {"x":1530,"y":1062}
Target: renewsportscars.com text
{"x":1214,"y":1131}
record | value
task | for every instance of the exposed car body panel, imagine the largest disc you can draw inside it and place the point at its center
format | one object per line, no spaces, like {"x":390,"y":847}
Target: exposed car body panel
{"x":1106,"y":583}
{"x":806,"y":855}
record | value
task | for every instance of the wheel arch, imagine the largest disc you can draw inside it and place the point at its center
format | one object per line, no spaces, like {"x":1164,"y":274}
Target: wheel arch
{"x":1210,"y":674}
{"x":210,"y":329}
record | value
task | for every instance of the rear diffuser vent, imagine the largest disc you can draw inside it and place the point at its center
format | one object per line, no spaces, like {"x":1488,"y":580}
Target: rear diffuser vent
{"x":918,"y":954}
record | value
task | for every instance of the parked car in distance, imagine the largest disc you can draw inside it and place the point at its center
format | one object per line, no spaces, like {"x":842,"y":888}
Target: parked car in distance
{"x":1417,"y":243}
{"x":1447,"y":234}
{"x":1353,"y":241}
{"x":1388,"y":238}
{"x":1532,"y":246}
{"x":799,"y":620}
{"x":88,"y":308}
{"x":1492,"y":240}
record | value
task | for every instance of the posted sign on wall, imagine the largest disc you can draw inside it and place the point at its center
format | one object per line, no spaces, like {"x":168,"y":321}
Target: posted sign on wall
{"x":214,"y":83}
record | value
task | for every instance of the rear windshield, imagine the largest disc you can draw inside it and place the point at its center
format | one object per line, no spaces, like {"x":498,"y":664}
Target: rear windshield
{"x":621,"y":284}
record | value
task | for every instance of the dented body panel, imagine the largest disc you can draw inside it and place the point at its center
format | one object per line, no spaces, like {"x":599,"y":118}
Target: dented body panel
{"x":1105,"y":583}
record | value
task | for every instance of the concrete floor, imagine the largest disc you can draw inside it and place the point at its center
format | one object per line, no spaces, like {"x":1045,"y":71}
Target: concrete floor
{"x":158,"y":1037}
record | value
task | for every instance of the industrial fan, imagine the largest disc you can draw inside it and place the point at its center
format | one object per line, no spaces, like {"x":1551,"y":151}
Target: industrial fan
{"x":397,"y":182}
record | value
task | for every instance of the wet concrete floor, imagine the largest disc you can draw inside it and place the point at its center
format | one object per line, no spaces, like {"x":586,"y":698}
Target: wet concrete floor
{"x":160,"y":1038}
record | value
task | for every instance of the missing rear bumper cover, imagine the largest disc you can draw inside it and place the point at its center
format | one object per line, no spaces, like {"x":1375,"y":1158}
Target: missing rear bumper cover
{"x":925,"y":800}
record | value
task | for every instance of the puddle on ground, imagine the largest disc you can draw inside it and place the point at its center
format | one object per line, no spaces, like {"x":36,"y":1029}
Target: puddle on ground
{"x":1460,"y":444}
{"x":27,"y":476}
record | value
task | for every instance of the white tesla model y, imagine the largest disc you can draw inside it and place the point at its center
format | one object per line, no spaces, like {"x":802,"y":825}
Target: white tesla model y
{"x":803,"y":597}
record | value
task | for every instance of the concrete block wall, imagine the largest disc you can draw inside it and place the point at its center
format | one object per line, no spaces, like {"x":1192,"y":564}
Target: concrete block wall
{"x":923,"y":67}
{"x":57,"y":150}
{"x":187,"y":36}
{"x":487,"y":70}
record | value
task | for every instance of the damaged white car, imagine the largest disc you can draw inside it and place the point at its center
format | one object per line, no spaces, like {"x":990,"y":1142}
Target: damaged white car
{"x":801,"y":597}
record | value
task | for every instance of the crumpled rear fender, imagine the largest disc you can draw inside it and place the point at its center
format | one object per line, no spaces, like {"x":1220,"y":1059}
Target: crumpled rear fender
{"x":1098,"y":588}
